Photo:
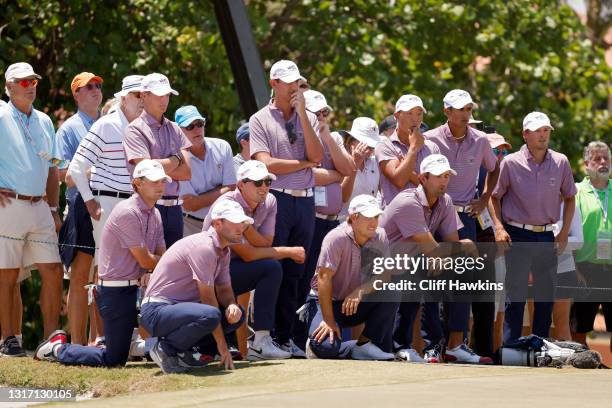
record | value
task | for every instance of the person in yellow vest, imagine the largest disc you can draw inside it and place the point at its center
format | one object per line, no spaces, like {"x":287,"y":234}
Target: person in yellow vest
{"x":594,"y":260}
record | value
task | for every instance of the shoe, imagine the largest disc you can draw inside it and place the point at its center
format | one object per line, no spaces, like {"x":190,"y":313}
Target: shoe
{"x":45,"y":350}
{"x":11,"y":348}
{"x":310,"y":355}
{"x":168,"y":364}
{"x":432,"y":355}
{"x":370,"y":351}
{"x":188,"y":359}
{"x":236,"y":354}
{"x":267,"y":349}
{"x":100,"y":342}
{"x":409,"y":355}
{"x":462,"y":354}
{"x":295,"y":351}
{"x":345,"y":348}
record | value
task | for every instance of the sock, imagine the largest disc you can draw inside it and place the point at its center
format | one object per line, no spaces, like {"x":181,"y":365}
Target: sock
{"x":19,"y":338}
{"x":259,"y":335}
{"x":362,"y":342}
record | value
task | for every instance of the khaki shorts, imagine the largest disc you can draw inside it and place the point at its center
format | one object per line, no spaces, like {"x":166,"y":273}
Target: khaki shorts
{"x":24,"y":220}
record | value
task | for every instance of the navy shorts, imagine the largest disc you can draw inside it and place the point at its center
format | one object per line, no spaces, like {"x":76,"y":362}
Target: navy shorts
{"x":77,"y":229}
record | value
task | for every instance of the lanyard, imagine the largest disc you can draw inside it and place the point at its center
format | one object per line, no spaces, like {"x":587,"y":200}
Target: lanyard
{"x":41,"y":153}
{"x":604,"y":204}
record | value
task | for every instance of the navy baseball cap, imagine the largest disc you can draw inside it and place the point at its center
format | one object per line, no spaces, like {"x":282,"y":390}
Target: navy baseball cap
{"x":242,"y":132}
{"x":187,"y":114}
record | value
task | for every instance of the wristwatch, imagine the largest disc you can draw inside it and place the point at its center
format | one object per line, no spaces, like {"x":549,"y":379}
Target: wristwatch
{"x":179,"y":157}
{"x":53,"y":209}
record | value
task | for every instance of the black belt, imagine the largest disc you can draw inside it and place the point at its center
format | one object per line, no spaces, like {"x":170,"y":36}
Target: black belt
{"x":116,"y":194}
{"x":193,"y":217}
{"x":169,"y":197}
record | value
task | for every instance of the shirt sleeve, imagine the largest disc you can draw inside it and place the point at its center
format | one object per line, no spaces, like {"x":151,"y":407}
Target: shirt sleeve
{"x":450,"y":221}
{"x":503,"y":181}
{"x":489,"y":160}
{"x":223,"y":277}
{"x":258,"y":140}
{"x":161,"y":242}
{"x":229,"y":172}
{"x":135,"y":145}
{"x":331,"y":252}
{"x":127,"y":229}
{"x":384,"y":151}
{"x":410,"y":220}
{"x":55,"y":149}
{"x":269,"y":224}
{"x":185,"y":143}
{"x":185,"y":188}
{"x":202,"y":263}
{"x":568,"y":187}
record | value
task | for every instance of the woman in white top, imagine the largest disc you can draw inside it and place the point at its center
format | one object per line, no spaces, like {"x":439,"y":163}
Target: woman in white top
{"x":366,"y":179}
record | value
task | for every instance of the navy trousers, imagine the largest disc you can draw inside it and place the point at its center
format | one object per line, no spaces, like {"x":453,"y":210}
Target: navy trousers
{"x":294,"y":227}
{"x":530,"y":252}
{"x":377,"y":316}
{"x":118,"y":311}
{"x":264,"y":276}
{"x":172,"y":219}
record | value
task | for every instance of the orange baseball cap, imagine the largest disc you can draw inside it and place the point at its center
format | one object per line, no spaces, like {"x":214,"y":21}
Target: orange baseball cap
{"x":83,"y":79}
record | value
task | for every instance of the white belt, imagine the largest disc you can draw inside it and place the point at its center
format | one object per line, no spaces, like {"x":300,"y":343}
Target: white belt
{"x":169,"y":202}
{"x":306,"y":192}
{"x":462,"y":208}
{"x":117,"y":283}
{"x":534,"y":228}
{"x":154,"y":299}
{"x":326,"y":217}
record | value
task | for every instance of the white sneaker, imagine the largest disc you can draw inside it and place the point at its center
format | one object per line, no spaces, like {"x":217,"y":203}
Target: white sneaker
{"x":295,"y":351}
{"x":46,"y":349}
{"x":409,"y":355}
{"x":267,"y":349}
{"x":462,"y":354}
{"x":346,"y":347}
{"x":309,"y":353}
{"x":370,"y":351}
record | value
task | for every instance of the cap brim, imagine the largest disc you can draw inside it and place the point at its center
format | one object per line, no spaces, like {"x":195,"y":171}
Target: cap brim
{"x":371,"y":212}
{"x":402,"y":109}
{"x":238,"y":219}
{"x":262,"y":176}
{"x":168,"y":179}
{"x":533,"y":128}
{"x":188,"y":121}
{"x":124,"y":92}
{"x":165,"y":91}
{"x":474,"y":105}
{"x":453,"y":172}
{"x":290,"y":78}
{"x":24,"y":77}
{"x":364,"y":139}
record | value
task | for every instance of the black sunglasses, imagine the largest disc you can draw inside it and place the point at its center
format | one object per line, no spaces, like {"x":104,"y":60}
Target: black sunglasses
{"x":290,"y":128}
{"x":197,"y":124}
{"x":259,"y":183}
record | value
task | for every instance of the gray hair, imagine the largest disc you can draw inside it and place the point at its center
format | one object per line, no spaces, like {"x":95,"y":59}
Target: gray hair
{"x":595,"y":145}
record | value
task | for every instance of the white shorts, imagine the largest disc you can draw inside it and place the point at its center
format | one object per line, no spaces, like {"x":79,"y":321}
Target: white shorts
{"x":191,"y":226}
{"x":106,"y":204}
{"x":21,"y":221}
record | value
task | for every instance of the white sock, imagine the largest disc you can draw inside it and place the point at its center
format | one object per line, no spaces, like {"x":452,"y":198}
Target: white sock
{"x":259,"y":336}
{"x":19,"y":338}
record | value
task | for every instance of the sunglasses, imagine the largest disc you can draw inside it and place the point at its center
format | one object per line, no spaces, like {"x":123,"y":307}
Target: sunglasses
{"x":25,"y":83}
{"x":259,"y":183}
{"x":197,"y":124}
{"x":323,"y":112}
{"x":497,"y":151}
{"x":89,"y":87}
{"x":290,"y":128}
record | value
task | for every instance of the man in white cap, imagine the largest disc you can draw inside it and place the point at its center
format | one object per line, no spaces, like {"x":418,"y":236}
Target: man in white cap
{"x":102,"y":189}
{"x":152,"y":136}
{"x":255,"y":262}
{"x":212,"y":169}
{"x":343,"y":296}
{"x":190,"y":295}
{"x":400,"y":155}
{"x":131,"y":245}
{"x":283,"y":135}
{"x":361,"y":141}
{"x":336,"y":165}
{"x":29,"y":163}
{"x":533,"y":183}
{"x":417,"y":216}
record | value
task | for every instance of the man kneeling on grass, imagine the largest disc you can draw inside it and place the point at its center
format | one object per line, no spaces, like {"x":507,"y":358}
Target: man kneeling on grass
{"x":343,"y":296}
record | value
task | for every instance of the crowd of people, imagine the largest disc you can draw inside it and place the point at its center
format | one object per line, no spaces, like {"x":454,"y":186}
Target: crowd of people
{"x":179,"y":250}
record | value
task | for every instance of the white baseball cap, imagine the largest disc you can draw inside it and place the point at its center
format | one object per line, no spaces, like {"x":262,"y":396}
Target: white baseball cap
{"x":315,"y":101}
{"x":131,"y":83}
{"x":457,"y":99}
{"x":253,"y":170}
{"x":19,"y":70}
{"x":152,"y":170}
{"x":286,"y":71}
{"x":436,"y":164}
{"x":230,"y":210}
{"x":157,"y":84}
{"x":365,"y":130}
{"x":407,"y":102}
{"x":365,"y":205}
{"x":536,"y":120}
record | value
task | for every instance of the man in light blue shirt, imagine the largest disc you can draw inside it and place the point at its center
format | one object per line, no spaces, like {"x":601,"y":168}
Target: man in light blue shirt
{"x":77,"y":228}
{"x":28,"y":169}
{"x":212,"y":169}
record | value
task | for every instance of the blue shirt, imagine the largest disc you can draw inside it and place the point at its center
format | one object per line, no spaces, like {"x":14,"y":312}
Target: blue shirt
{"x":22,"y":170}
{"x":70,"y":134}
{"x":217,"y":169}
